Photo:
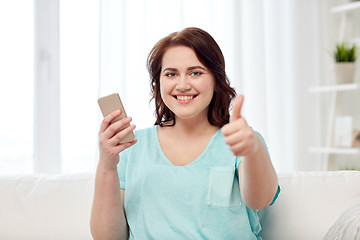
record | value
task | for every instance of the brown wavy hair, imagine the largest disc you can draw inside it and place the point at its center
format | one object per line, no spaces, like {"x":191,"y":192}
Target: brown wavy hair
{"x":209,"y":53}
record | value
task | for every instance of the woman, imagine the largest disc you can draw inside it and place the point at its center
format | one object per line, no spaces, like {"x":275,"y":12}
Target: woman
{"x":196,"y":174}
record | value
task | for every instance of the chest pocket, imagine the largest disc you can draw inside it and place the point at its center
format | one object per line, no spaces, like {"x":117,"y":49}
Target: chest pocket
{"x":224,"y":188}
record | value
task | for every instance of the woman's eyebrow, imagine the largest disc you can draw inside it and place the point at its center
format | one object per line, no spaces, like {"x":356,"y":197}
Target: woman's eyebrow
{"x":196,"y":67}
{"x":189,"y":69}
{"x":170,"y":69}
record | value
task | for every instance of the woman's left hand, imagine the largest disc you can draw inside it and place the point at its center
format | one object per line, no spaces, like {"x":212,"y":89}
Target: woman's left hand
{"x":241,"y":139}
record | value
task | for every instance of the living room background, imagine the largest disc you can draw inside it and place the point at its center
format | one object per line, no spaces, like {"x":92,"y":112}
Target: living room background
{"x":273,"y":51}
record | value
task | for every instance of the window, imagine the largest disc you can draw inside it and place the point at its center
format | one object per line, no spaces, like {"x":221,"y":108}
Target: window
{"x":51,"y":121}
{"x":16,"y":86}
{"x":32,"y":138}
{"x":79,"y":74}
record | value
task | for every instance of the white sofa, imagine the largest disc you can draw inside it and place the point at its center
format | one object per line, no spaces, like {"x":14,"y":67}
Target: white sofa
{"x":47,"y":207}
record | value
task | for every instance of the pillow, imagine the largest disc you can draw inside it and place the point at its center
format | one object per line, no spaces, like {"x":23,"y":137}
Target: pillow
{"x":347,"y":226}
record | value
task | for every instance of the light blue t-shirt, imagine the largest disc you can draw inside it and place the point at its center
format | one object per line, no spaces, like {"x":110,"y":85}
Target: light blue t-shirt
{"x":198,"y":201}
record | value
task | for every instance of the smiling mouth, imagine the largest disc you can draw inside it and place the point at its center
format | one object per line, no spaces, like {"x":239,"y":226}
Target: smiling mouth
{"x":185,"y":98}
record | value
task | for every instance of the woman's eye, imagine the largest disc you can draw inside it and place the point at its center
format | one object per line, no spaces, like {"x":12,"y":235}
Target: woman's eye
{"x":196,"y":73}
{"x":170,"y":74}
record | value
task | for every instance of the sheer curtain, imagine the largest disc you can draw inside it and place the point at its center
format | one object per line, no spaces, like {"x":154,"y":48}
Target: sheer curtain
{"x":49,"y":115}
{"x":281,"y":50}
{"x":272,"y":52}
{"x":16,"y":87}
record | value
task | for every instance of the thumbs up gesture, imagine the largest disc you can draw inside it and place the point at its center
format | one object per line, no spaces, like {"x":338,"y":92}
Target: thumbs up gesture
{"x":238,"y":135}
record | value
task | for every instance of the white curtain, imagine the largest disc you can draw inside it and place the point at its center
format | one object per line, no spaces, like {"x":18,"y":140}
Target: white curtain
{"x":282,"y":46}
{"x":272,"y":51}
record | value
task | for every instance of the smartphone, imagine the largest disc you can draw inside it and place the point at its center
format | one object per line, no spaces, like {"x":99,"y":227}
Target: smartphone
{"x":110,"y":103}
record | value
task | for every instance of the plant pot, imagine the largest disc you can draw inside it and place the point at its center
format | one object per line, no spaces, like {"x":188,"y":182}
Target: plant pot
{"x":344,"y":72}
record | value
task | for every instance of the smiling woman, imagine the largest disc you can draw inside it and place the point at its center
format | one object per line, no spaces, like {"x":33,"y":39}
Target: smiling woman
{"x":195,"y":169}
{"x":206,"y":62}
{"x":185,"y":81}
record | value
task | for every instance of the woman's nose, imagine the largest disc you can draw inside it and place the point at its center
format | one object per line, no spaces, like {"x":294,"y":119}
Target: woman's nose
{"x":183,"y":84}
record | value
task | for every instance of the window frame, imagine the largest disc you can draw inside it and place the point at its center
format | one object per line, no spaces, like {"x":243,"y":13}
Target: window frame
{"x":47,"y":147}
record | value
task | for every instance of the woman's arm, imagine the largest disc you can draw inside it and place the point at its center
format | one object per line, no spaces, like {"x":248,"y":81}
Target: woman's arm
{"x":108,"y":220}
{"x":257,"y":176}
{"x":107,"y":216}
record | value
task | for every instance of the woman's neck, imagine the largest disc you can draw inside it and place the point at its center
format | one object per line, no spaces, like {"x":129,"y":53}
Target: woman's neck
{"x":193,"y":127}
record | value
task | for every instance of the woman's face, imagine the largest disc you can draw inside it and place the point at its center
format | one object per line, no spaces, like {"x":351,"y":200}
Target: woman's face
{"x":186,"y":85}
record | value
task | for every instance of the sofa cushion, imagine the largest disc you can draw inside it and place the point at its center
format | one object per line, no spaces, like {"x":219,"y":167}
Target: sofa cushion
{"x":55,"y":207}
{"x":309,"y":204}
{"x":46,"y":206}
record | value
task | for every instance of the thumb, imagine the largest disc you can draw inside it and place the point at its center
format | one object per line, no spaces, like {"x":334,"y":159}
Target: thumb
{"x":236,"y":112}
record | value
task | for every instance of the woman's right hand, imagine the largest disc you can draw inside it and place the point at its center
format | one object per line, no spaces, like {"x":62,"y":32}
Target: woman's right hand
{"x":110,"y":137}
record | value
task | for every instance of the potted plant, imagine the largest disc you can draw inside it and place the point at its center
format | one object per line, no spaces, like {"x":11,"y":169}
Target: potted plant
{"x":345,"y":57}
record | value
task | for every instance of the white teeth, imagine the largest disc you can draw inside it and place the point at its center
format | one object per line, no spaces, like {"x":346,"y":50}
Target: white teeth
{"x":184,"y":98}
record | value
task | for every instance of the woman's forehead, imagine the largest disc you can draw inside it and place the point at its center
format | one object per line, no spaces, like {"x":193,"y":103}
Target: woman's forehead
{"x":180,"y":56}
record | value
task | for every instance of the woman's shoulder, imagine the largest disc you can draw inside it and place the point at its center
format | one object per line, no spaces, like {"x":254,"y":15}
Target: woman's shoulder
{"x":144,"y":137}
{"x":145,"y":132}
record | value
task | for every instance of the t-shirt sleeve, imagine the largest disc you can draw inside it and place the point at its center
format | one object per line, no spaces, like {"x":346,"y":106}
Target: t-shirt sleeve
{"x":263,"y":141}
{"x":276,"y":195}
{"x":239,"y":159}
{"x":122,"y":166}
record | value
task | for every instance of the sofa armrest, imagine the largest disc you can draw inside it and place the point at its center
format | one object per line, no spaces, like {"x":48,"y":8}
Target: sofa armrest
{"x":46,"y":206}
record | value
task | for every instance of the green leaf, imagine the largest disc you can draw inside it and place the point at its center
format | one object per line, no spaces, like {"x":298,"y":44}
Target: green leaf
{"x":345,"y":53}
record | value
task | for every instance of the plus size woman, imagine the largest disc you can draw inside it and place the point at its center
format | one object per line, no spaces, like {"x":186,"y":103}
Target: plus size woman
{"x":199,"y":172}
